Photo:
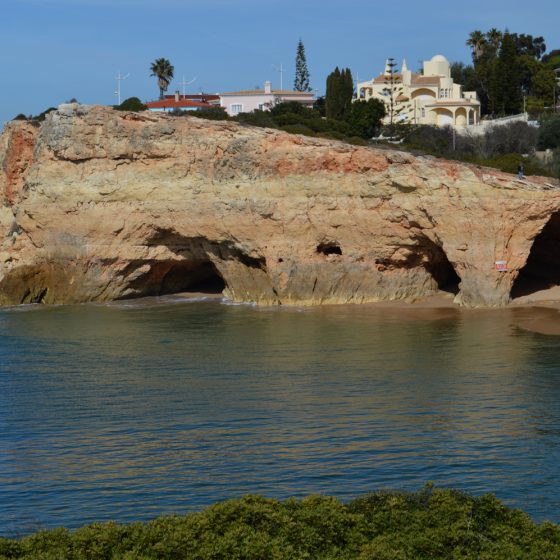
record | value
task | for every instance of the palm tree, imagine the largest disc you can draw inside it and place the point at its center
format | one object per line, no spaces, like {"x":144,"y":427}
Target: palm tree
{"x":494,"y":38}
{"x":477,"y":42}
{"x":163,"y":70}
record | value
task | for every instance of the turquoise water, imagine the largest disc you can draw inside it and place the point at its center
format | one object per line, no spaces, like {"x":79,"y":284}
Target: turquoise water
{"x":131,"y":410}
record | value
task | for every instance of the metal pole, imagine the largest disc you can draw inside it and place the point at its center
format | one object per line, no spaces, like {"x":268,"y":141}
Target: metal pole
{"x":185,"y":83}
{"x":119,"y":80}
{"x":281,"y":70}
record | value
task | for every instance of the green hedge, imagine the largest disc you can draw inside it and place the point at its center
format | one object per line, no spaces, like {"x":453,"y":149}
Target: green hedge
{"x":428,"y":524}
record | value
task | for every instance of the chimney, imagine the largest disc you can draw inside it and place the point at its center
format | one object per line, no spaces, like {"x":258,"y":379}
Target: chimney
{"x":267,"y":87}
{"x":177,"y":95}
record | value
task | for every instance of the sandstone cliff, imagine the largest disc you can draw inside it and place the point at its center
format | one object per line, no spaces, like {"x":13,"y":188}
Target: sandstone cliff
{"x":99,"y":205}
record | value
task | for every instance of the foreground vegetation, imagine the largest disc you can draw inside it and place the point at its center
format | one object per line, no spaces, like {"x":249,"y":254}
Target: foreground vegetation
{"x":503,"y":147}
{"x":430,"y":524}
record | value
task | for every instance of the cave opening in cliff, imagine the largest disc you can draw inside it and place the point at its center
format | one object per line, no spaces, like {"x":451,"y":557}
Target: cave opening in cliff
{"x":329,"y":248}
{"x":439,"y":266}
{"x":178,"y":276}
{"x":542,"y":269}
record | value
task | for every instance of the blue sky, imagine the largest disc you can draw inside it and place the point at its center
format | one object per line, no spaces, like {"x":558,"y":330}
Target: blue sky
{"x":53,"y":50}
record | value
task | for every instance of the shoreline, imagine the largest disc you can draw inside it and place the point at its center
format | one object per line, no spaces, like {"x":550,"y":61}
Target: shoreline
{"x":537,"y":313}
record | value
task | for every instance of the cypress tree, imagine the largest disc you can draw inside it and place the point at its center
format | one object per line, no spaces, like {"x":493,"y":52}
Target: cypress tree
{"x":347,"y":92}
{"x":507,"y":78}
{"x":332,"y":94}
{"x":340,"y":89}
{"x":301,"y":82}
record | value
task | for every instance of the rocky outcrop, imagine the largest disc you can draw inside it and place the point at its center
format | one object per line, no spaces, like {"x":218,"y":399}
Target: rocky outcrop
{"x":100,"y":205}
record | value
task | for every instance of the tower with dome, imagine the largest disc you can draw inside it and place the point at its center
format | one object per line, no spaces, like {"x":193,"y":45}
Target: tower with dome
{"x":429,"y":97}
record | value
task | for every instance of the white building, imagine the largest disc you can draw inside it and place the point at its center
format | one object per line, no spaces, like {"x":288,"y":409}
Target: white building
{"x":264,"y":99}
{"x":427,"y":98}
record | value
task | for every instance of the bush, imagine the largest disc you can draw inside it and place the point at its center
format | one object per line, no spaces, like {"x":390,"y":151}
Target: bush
{"x":34,"y":119}
{"x":298,"y":129}
{"x":331,"y":134}
{"x":365,"y":117}
{"x":517,"y":137}
{"x":214,"y":114}
{"x":431,"y":523}
{"x":549,"y":133}
{"x":291,"y":107}
{"x":358,"y":141}
{"x":510,"y":162}
{"x":131,"y":104}
{"x":257,"y":118}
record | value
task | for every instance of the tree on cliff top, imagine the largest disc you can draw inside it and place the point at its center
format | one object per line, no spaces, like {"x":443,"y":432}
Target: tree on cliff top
{"x":163,"y":70}
{"x":340,"y":89}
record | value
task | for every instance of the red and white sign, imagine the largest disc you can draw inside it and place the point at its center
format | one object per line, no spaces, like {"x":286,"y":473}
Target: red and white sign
{"x":501,"y":266}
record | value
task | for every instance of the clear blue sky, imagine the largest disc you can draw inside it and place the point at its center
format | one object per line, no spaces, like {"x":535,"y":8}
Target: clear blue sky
{"x":53,"y":50}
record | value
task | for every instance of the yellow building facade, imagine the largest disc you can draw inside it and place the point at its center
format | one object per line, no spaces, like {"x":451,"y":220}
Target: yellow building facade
{"x":430,"y":97}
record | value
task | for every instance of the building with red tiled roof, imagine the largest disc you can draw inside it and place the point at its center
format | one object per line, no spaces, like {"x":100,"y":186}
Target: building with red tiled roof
{"x":184,"y":102}
{"x":430,"y":97}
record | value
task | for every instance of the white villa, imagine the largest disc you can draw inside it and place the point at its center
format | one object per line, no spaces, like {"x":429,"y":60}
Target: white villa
{"x":247,"y":101}
{"x":427,"y":98}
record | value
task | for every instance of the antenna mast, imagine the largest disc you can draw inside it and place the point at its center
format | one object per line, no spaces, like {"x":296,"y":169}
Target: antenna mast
{"x":119,"y":80}
{"x":185,"y":84}
{"x":281,"y":70}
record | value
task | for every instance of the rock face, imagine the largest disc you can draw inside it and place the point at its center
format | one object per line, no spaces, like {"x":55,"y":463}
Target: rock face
{"x":100,"y":205}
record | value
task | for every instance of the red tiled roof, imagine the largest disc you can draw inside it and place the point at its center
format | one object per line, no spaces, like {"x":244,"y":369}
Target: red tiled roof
{"x":425,"y":80}
{"x":203,"y":97}
{"x":383,"y":78}
{"x":172,"y":104}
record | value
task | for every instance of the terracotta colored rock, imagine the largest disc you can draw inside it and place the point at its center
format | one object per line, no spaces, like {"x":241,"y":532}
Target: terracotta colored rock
{"x":100,"y":205}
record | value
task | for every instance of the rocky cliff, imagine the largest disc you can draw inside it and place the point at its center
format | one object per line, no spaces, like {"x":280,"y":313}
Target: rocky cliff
{"x":99,"y":205}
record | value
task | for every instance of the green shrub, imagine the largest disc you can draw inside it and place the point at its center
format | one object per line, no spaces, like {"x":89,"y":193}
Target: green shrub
{"x":358,"y":141}
{"x":331,"y":135}
{"x":428,"y":524}
{"x":257,"y":118}
{"x":131,"y":104}
{"x":214,"y":114}
{"x":509,"y":164}
{"x":549,"y":133}
{"x":297,"y":129}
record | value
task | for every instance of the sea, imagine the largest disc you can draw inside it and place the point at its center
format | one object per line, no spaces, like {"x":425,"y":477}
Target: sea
{"x":134,"y":409}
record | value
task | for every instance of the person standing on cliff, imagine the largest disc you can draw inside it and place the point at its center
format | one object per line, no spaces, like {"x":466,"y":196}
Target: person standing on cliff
{"x":520,"y":171}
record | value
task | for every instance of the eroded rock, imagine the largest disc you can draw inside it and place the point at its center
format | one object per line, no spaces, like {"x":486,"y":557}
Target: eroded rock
{"x":100,"y":205}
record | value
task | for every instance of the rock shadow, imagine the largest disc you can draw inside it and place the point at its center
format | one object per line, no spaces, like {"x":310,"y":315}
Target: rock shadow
{"x":542,"y":269}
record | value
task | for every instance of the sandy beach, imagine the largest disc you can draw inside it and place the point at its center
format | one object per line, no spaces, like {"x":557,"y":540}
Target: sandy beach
{"x":539,"y":312}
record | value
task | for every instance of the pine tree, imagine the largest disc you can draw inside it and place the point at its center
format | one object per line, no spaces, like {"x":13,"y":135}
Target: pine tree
{"x":301,"y":82}
{"x":392,"y":90}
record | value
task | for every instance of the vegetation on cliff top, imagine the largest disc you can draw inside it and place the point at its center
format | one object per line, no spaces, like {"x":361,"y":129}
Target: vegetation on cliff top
{"x":431,"y":523}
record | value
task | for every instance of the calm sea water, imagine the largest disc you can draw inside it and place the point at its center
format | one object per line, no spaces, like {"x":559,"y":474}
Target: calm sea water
{"x":131,"y":410}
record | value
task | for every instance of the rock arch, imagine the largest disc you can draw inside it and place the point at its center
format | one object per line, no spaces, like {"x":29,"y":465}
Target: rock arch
{"x":183,"y":263}
{"x":438,"y":265}
{"x":542,"y":269}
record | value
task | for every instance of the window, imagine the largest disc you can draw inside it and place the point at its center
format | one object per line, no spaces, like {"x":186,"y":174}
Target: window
{"x":261,"y":106}
{"x":236,"y":108}
{"x":423,"y":112}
